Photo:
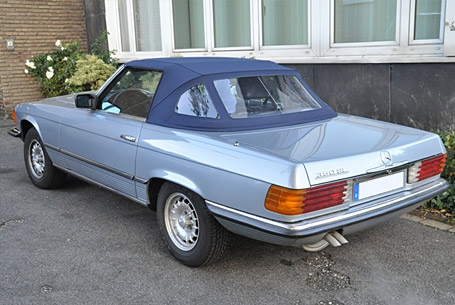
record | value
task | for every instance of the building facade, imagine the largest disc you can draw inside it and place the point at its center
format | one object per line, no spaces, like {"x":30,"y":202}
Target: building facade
{"x":391,"y":60}
{"x":29,"y":28}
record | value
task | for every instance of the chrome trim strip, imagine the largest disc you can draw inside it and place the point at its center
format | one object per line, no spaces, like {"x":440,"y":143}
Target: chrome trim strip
{"x":140,"y":180}
{"x":350,"y":214}
{"x":79,"y":176}
{"x":261,"y":219}
{"x":94,"y":163}
{"x":52,"y":147}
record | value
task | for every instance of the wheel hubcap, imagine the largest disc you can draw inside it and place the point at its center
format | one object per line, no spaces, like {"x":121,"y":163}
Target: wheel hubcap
{"x":36,"y":159}
{"x":181,"y":220}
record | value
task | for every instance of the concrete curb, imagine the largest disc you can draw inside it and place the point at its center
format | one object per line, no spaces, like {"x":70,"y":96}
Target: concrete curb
{"x":430,"y":223}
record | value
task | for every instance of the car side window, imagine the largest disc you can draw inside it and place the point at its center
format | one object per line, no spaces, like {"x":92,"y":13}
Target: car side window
{"x":196,"y":101}
{"x":132,"y":94}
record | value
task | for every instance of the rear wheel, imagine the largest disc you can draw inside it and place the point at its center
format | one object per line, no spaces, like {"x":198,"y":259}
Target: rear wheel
{"x":190,"y":232}
{"x":38,"y":164}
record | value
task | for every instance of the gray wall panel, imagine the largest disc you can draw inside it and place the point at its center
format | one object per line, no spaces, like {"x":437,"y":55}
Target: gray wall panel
{"x":306,"y":71}
{"x":416,"y":95}
{"x":355,"y":89}
{"x":95,"y":19}
{"x":423,"y":95}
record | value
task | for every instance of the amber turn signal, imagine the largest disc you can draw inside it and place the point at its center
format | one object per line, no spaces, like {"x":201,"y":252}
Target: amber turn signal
{"x":285,"y":201}
{"x":13,"y":114}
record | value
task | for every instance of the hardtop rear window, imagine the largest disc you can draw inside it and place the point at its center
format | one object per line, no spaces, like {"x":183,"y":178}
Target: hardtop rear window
{"x":254,"y":96}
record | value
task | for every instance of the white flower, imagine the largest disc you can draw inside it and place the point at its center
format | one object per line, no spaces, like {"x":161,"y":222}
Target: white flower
{"x":62,"y":48}
{"x":58,"y":43}
{"x":49,"y":58}
{"x":50,"y":72}
{"x":65,"y":58}
{"x":26,"y":71}
{"x":30,"y":64}
{"x":66,"y":80}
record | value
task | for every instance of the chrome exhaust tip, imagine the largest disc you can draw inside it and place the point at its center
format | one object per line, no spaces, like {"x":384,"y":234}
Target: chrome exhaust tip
{"x":335,"y":239}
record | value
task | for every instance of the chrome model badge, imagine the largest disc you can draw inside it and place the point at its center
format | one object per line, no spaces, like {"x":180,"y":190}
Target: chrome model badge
{"x":386,"y":157}
{"x":331,"y":172}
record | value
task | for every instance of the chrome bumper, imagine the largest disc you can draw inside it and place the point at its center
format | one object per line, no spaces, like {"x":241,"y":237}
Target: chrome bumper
{"x":311,"y":230}
{"x":15,"y":132}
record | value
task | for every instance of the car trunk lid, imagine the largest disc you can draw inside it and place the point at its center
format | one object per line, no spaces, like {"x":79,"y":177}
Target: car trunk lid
{"x":343,"y":147}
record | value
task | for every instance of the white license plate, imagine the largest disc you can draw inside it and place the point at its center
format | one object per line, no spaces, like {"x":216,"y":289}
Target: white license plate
{"x":378,"y":186}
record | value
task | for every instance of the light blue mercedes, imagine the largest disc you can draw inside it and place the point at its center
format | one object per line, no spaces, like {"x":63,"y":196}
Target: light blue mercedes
{"x":221,"y":145}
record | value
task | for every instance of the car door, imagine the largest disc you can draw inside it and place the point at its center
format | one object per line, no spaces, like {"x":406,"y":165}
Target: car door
{"x":101,"y":144}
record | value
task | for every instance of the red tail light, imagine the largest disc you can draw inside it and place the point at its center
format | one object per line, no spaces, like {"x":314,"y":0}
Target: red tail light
{"x":426,"y":168}
{"x":292,"y":202}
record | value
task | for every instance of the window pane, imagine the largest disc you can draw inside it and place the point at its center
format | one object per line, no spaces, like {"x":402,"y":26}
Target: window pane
{"x":124,"y":35}
{"x":196,"y":102}
{"x":133,"y":93}
{"x":232,"y":23}
{"x":427,"y":19}
{"x":147,"y":24}
{"x":365,"y":20}
{"x":188,"y":24}
{"x":285,"y":22}
{"x":245,"y":97}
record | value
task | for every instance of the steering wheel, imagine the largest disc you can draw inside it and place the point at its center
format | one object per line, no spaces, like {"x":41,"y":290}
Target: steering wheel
{"x":269,"y":104}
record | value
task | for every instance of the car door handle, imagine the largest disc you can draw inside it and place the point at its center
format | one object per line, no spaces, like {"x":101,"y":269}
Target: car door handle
{"x":128,"y":138}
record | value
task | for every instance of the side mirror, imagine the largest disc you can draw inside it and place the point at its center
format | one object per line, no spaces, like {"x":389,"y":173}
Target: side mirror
{"x":86,"y":100}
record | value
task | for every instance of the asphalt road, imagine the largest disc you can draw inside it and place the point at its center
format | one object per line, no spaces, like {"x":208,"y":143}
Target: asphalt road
{"x":81,"y":244}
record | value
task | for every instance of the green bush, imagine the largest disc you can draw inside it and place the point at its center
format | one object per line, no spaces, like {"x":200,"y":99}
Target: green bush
{"x":91,"y":73}
{"x":446,"y":201}
{"x":100,"y":49}
{"x":53,"y":69}
{"x":68,"y":69}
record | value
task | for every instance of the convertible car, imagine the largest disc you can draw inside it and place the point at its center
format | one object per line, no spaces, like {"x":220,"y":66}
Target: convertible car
{"x":220,"y":145}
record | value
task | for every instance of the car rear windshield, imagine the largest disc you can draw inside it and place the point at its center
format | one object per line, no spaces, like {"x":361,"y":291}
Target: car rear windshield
{"x":253,"y":96}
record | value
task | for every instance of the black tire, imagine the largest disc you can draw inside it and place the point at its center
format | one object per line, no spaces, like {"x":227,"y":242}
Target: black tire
{"x":40,"y":169}
{"x":196,"y":238}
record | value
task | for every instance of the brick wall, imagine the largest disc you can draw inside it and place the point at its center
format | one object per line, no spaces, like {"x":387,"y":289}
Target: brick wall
{"x":1,"y":100}
{"x":34,"y":25}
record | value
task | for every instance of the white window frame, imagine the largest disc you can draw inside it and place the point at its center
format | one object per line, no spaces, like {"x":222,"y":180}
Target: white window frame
{"x":334,"y":44}
{"x":320,"y":48}
{"x":242,"y":48}
{"x":113,"y":27}
{"x":204,"y":49}
{"x":413,"y":12}
{"x":449,"y":31}
{"x":281,"y":47}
